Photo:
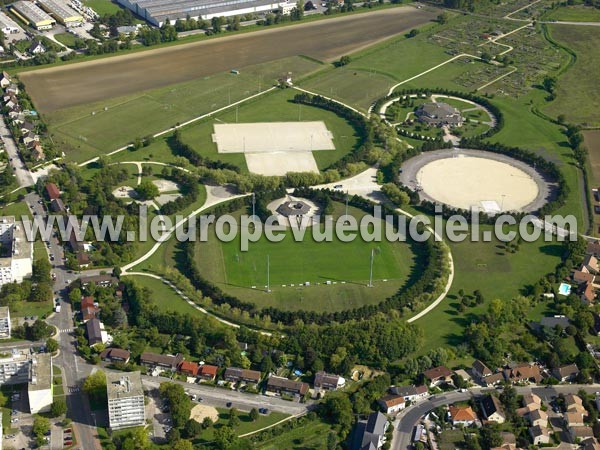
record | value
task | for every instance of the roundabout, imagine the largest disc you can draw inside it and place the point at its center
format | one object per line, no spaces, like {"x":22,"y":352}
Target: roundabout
{"x":486,"y":181}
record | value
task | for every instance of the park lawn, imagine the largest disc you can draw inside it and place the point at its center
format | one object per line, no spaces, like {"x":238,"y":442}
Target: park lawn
{"x":274,"y":107}
{"x":292,"y":264}
{"x":103,"y":7}
{"x":497,"y":274}
{"x":574,"y":13}
{"x":246,"y":425}
{"x":312,"y":436}
{"x":67,"y":39}
{"x":342,"y":82}
{"x":18,"y":209}
{"x":524,"y":129}
{"x":89,"y":130}
{"x":577,"y":94}
{"x":450,"y":439}
{"x":164,"y":297}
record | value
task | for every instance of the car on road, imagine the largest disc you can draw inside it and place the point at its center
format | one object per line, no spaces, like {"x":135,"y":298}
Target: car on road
{"x":228,"y":404}
{"x":338,"y":186}
{"x":263,"y":410}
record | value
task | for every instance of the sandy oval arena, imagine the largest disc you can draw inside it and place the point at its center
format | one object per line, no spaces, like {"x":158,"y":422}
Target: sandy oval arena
{"x":473,"y":178}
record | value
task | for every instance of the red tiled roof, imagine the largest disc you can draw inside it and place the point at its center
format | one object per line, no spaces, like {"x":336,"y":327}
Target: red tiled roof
{"x":208,"y":370}
{"x":189,"y":367}
{"x":52,"y":191}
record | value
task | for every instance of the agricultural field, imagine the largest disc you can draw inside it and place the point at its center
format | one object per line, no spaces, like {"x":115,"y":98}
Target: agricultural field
{"x":592,"y":143}
{"x":89,"y":130}
{"x":574,"y":13}
{"x":109,"y":78}
{"x":295,"y":263}
{"x":577,"y":94}
{"x":311,"y":436}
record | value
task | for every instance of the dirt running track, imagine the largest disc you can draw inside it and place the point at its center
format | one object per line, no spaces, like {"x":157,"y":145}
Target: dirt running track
{"x":75,"y":84}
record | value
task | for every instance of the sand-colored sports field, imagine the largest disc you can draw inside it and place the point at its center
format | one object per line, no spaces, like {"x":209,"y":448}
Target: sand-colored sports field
{"x":265,"y":137}
{"x":200,"y":412}
{"x":467,"y":181}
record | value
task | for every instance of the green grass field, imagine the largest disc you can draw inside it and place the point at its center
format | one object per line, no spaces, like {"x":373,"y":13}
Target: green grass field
{"x":577,"y":90}
{"x":311,"y":436}
{"x":67,"y":39}
{"x":574,"y":13}
{"x":102,"y":6}
{"x":164,"y":297}
{"x":496,"y":273}
{"x":296,"y":263}
{"x":246,"y":425}
{"x":89,"y":130}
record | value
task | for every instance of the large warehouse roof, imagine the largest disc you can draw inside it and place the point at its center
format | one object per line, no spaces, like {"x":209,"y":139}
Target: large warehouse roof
{"x":61,"y":10}
{"x":32,"y":12}
{"x":160,"y":10}
{"x":6,"y":23}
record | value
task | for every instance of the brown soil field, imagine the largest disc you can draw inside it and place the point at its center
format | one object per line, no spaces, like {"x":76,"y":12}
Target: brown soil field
{"x":75,"y":84}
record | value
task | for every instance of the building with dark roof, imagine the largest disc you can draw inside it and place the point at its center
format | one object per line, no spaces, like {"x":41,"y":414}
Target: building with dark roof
{"x":154,"y":360}
{"x":370,"y":434}
{"x":439,"y":114}
{"x":94,"y":331}
{"x":480,"y":370}
{"x":293,"y":208}
{"x":410,"y":393}
{"x":438,"y":375}
{"x":115,"y":355}
{"x":566,"y":373}
{"x":492,"y":409}
{"x":236,"y":374}
{"x":280,"y":385}
{"x":328,"y":382}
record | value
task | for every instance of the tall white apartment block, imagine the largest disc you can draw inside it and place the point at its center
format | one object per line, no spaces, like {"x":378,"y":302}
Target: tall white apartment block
{"x":125,"y":400}
{"x":16,"y":253}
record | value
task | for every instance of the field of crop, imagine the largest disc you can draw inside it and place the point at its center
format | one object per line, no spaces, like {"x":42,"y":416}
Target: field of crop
{"x":293,"y":264}
{"x":89,"y":130}
{"x":574,"y":13}
{"x":101,"y":79}
{"x":577,"y":90}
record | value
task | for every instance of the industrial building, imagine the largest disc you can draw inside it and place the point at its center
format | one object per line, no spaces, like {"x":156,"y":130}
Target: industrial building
{"x":7,"y":25}
{"x":39,"y":387}
{"x":62,"y":12}
{"x":4,"y":322}
{"x":158,"y":12}
{"x":30,"y":13}
{"x":16,"y":252}
{"x":125,"y":400}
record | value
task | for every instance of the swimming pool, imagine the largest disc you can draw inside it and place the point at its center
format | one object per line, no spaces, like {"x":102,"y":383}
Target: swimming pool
{"x":564,"y":289}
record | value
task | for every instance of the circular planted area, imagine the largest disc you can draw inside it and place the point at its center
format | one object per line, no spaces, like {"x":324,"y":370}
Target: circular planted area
{"x":307,"y":274}
{"x":468,"y":179}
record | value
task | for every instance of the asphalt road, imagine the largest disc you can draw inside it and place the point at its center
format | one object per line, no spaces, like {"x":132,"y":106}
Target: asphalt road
{"x":86,"y":82}
{"x":219,"y":397}
{"x":408,"y":419}
{"x":24,"y":178}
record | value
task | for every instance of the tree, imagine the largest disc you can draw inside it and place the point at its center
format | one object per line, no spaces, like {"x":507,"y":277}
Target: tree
{"x":182,"y":444}
{"x":3,"y":399}
{"x":51,"y":345}
{"x":217,"y":24}
{"x":41,"y":425}
{"x":234,"y":418}
{"x":486,"y":57}
{"x":225,"y":438}
{"x":207,"y":422}
{"x":58,"y":408}
{"x":442,"y":18}
{"x":147,"y":190}
{"x":254,"y":415}
{"x":344,"y":60}
{"x":173,"y":435}
{"x":193,"y":428}
{"x":95,"y":385}
{"x":337,"y":409}
{"x":412,"y":33}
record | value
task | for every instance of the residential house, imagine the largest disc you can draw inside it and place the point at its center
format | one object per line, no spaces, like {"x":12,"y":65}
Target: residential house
{"x":5,"y":80}
{"x":526,"y":373}
{"x":236,"y":375}
{"x":208,"y":372}
{"x":27,"y":127}
{"x":36,"y":48}
{"x":99,"y":280}
{"x":593,"y":248}
{"x":12,"y":89}
{"x":392,"y":404}
{"x":590,"y":264}
{"x":410,"y":393}
{"x":574,"y":419}
{"x":280,"y":385}
{"x":539,"y":435}
{"x":492,"y":409}
{"x":189,"y":368}
{"x":494,"y":379}
{"x":480,"y":370}
{"x":37,"y":152}
{"x":573,"y":403}
{"x":328,"y":382}
{"x":57,"y":206}
{"x":582,"y":277}
{"x":555,"y":321}
{"x":52,"y":191}
{"x":89,"y":313}
{"x":462,"y":415}
{"x":537,"y":417}
{"x":94,"y":331}
{"x":115,"y":355}
{"x":370,"y":434}
{"x":439,"y":114}
{"x":587,"y":292}
{"x":579,"y":433}
{"x":161,"y":362}
{"x":83,"y":259}
{"x":438,"y":375}
{"x":566,"y":373}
